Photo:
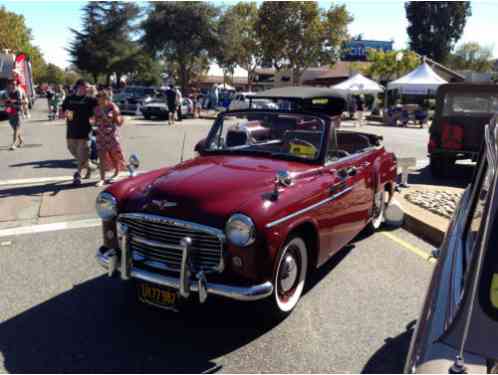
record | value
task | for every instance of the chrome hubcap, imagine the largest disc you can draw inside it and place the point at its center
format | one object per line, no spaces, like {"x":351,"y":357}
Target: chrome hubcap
{"x":289,"y":273}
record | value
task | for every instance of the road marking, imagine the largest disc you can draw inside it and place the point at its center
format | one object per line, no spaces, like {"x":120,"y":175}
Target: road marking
{"x":40,"y":228}
{"x":41,"y":180}
{"x":410,"y":247}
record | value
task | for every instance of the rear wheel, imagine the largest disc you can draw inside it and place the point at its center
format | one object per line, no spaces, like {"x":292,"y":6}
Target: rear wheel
{"x":290,"y":277}
{"x":378,"y":211}
{"x":147,"y":116}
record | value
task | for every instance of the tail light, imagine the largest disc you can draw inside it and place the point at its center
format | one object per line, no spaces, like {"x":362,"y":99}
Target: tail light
{"x":452,"y":136}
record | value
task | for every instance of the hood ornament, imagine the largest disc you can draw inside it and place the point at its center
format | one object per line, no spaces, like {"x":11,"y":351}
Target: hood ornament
{"x":282,"y":178}
{"x":161,"y":204}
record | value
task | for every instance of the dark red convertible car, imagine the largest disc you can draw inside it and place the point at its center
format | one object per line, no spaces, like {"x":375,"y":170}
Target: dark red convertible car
{"x":272,"y":195}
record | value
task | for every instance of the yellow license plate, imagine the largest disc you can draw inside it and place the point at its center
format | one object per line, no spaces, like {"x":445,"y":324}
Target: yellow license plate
{"x":156,"y":295}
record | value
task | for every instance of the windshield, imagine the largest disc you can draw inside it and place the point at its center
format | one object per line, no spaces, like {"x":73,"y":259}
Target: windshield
{"x":469,"y":104}
{"x":273,"y":134}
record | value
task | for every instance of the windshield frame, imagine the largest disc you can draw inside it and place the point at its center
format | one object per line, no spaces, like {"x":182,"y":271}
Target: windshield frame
{"x":319,"y":160}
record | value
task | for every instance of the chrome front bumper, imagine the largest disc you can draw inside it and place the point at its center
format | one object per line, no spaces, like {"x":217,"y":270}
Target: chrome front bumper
{"x":111,"y":261}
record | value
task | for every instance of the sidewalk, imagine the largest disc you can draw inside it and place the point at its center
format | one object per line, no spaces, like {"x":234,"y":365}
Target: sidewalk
{"x":428,"y":210}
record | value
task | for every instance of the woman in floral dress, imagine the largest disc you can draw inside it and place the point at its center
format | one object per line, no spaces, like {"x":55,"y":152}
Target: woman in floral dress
{"x":108,"y":119}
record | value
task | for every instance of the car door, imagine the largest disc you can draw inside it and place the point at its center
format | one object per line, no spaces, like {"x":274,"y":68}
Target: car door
{"x":340,"y":220}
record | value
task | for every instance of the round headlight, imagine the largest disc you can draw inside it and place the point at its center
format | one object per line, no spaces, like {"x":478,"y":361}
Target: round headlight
{"x":240,"y":230}
{"x":107,"y":206}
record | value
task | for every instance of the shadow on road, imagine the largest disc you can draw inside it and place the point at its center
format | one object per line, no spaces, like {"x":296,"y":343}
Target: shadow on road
{"x":51,"y":164}
{"x":460,"y":175}
{"x":53,"y":188}
{"x":391,"y":357}
{"x":98,"y":326}
{"x":95,"y":327}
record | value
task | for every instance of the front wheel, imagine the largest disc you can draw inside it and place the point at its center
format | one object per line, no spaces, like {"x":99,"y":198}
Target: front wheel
{"x":290,"y":277}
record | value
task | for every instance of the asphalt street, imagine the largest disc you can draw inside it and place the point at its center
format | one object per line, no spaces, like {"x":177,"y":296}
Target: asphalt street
{"x":60,"y":313}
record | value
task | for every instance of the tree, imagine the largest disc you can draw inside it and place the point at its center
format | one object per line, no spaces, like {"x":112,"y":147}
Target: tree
{"x":387,"y":66}
{"x":472,"y":56}
{"x":239,"y":43}
{"x":299,"y":34}
{"x":16,"y":37}
{"x":184,"y":34}
{"x":104,"y":46}
{"x":435,"y":26}
{"x":53,"y":75}
{"x":70,"y":77}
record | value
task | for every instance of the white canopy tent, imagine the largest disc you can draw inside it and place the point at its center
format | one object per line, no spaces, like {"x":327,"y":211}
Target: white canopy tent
{"x":420,"y":81}
{"x":359,"y":84}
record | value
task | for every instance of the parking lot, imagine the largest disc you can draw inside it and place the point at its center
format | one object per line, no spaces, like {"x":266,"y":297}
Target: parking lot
{"x":59,"y":312}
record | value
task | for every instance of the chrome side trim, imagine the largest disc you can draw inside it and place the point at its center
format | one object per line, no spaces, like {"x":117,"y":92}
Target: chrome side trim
{"x":312,"y":207}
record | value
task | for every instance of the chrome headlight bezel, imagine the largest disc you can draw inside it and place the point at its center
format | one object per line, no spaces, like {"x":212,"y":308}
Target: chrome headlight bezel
{"x":240,"y":230}
{"x":107,"y":206}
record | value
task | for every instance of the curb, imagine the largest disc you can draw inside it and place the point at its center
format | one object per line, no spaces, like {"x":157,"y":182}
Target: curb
{"x":425,"y":231}
{"x":422,"y":223}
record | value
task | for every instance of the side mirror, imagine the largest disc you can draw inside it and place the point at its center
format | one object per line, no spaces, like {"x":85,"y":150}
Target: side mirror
{"x":199,"y":147}
{"x":133,"y":164}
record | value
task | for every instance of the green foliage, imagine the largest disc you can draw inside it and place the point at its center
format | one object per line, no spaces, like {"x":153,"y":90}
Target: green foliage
{"x":52,"y":75}
{"x":472,"y":56}
{"x":435,"y":26}
{"x":16,"y":37}
{"x":388,"y":65}
{"x":70,"y":77}
{"x":299,"y":34}
{"x":184,"y":34}
{"x":104,"y":46}
{"x":239,"y":43}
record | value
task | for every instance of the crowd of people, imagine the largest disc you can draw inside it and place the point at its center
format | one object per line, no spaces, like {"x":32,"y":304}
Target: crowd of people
{"x":85,"y":106}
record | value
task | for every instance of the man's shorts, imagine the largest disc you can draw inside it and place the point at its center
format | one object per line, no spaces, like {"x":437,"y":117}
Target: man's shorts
{"x":15,"y":122}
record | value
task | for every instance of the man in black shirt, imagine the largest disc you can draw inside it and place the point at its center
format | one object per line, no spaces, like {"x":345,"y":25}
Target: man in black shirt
{"x":79,"y":109}
{"x":171,"y":103}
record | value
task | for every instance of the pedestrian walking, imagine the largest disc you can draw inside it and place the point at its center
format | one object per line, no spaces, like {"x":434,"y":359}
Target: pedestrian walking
{"x":171,"y":103}
{"x":179,"y":100}
{"x":360,"y":107}
{"x":79,"y":108}
{"x":13,"y":109}
{"x":108,"y":119}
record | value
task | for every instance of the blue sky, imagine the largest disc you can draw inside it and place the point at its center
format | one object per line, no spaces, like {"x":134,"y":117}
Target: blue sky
{"x":50,"y":22}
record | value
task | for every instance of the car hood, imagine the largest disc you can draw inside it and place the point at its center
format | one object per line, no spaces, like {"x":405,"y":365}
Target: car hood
{"x":208,"y":189}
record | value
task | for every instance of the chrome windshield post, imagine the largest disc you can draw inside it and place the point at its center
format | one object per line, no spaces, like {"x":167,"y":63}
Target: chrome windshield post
{"x":122,"y":232}
{"x":186,"y":244}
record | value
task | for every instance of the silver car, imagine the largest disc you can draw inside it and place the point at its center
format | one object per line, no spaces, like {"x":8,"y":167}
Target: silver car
{"x":457,"y":330}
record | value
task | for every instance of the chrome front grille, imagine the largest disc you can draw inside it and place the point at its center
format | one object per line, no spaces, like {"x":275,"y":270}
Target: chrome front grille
{"x":155,"y":241}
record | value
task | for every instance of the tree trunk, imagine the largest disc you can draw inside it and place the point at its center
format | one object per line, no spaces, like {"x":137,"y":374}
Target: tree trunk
{"x":108,"y":79}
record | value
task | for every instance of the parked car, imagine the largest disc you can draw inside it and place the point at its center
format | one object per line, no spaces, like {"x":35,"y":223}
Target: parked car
{"x":271,"y":196}
{"x":132,"y":98}
{"x":457,"y":130}
{"x":241,"y":101}
{"x":158,"y":108}
{"x":458,"y":327}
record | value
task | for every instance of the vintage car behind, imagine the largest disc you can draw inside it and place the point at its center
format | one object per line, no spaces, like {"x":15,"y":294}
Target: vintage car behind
{"x":458,"y":327}
{"x":272,"y":196}
{"x":457,"y":130}
{"x":131,"y":98}
{"x":157,"y":108}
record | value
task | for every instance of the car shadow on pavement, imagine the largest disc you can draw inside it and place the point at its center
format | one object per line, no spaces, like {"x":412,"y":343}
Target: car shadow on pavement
{"x":97,"y":327}
{"x":52,"y":188}
{"x":391,"y":357}
{"x":52,"y":164}
{"x":460,"y":175}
